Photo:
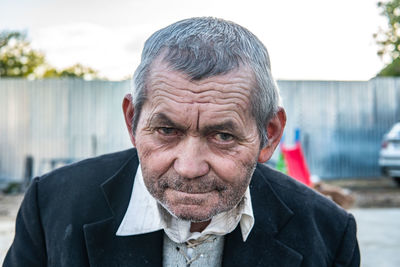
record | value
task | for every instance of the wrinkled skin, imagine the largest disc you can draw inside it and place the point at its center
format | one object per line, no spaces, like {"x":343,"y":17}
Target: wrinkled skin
{"x":197,"y":141}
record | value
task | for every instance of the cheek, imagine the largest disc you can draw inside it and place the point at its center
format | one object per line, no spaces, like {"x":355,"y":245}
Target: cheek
{"x":153,"y":157}
{"x":234,"y":167}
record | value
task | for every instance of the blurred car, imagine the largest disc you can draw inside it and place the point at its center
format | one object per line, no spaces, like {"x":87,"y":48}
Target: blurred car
{"x":389,"y":156}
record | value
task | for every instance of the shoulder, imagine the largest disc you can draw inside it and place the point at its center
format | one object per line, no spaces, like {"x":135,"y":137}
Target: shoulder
{"x":78,"y":186}
{"x":74,"y":194}
{"x":90,"y":171}
{"x":309,"y":222}
{"x":57,"y":205}
{"x":295,"y":195}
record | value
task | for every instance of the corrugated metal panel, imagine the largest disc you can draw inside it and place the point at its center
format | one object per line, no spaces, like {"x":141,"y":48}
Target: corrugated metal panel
{"x":58,"y":119}
{"x":341,"y":123}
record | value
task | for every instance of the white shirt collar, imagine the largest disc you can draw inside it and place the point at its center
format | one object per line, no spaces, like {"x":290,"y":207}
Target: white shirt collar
{"x":145,"y":215}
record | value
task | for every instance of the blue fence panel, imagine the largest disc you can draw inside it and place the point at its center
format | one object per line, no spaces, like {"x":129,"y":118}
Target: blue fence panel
{"x":341,"y":123}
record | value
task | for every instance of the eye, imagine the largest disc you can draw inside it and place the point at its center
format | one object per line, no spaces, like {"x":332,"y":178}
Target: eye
{"x":167,"y":131}
{"x":224,"y":137}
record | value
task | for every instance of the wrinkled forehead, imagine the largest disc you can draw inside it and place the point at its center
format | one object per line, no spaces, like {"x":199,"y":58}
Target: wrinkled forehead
{"x":237,"y":82}
{"x":162,"y":63}
{"x":213,"y":99}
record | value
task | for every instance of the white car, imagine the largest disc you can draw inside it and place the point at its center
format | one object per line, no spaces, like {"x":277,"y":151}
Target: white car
{"x":389,"y":156}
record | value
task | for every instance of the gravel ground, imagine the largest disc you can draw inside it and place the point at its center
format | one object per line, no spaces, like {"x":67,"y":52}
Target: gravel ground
{"x":376,"y":209}
{"x":8,"y":211}
{"x":378,"y":236}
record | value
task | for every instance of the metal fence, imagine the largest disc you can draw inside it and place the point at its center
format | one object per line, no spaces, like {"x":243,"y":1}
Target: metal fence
{"x":57,"y":121}
{"x":342,"y":123}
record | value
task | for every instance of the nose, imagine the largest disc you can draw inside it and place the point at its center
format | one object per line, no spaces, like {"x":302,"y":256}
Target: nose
{"x":190,"y":161}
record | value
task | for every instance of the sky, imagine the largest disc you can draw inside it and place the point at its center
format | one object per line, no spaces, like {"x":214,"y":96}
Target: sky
{"x":306,"y":40}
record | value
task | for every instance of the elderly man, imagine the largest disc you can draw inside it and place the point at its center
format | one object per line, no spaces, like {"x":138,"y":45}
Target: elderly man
{"x":204,"y":114}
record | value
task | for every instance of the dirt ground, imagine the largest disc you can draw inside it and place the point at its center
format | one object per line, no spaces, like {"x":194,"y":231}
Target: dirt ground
{"x":368,"y":193}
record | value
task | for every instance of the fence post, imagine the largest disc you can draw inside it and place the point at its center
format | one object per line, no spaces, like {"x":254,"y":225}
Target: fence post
{"x":28,"y":172}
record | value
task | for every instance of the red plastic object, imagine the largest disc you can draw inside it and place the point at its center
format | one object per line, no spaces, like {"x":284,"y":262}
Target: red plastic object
{"x":295,"y":163}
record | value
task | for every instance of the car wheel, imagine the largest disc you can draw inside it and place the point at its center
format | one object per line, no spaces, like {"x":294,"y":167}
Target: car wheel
{"x":397,"y":180}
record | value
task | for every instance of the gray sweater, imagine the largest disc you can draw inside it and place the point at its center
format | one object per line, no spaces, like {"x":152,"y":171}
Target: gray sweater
{"x":193,"y":254}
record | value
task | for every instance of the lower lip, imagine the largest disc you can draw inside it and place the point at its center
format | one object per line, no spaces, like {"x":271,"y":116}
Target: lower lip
{"x":185,"y":196}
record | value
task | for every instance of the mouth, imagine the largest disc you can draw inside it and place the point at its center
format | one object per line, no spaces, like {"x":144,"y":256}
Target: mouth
{"x":193,"y":188}
{"x":191,"y":196}
{"x":193,"y":192}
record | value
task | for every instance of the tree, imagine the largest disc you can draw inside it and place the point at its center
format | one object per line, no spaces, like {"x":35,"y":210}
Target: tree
{"x":78,"y":71}
{"x":18,"y":59}
{"x":389,"y":39}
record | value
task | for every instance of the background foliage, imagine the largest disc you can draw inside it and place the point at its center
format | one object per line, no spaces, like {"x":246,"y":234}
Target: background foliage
{"x":388,"y":39}
{"x":19,"y":59}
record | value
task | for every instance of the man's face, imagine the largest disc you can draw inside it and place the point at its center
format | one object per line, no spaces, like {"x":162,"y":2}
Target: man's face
{"x":197,"y":141}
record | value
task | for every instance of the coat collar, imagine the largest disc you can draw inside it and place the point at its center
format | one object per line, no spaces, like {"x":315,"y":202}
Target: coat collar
{"x":103,"y":246}
{"x":271,"y":214}
{"x":263,"y":247}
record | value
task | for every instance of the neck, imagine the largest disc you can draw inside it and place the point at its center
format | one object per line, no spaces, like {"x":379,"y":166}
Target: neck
{"x":199,"y":226}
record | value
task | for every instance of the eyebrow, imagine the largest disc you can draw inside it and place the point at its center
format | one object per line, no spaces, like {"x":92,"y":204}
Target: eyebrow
{"x":226,"y":126}
{"x":162,"y":119}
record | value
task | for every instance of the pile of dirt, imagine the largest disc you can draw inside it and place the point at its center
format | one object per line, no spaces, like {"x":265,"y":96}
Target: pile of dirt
{"x":377,"y":192}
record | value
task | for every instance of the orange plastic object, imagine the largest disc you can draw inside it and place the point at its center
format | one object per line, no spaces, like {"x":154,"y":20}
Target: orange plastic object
{"x":296,"y":164}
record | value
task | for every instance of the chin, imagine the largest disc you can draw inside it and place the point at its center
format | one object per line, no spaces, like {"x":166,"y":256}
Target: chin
{"x":193,"y":214}
{"x":194,"y":217}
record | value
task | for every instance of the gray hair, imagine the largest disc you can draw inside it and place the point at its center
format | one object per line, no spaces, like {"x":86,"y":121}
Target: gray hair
{"x":206,"y":47}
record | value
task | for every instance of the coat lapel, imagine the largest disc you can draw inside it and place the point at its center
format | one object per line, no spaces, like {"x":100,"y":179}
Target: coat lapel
{"x":103,"y":246}
{"x":262,"y":247}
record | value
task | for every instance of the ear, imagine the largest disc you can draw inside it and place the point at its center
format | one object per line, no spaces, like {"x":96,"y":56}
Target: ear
{"x":129,"y":110}
{"x":275,"y":128}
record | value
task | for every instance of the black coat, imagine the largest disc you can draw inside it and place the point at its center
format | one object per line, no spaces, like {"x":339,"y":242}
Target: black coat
{"x":69,"y":217}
